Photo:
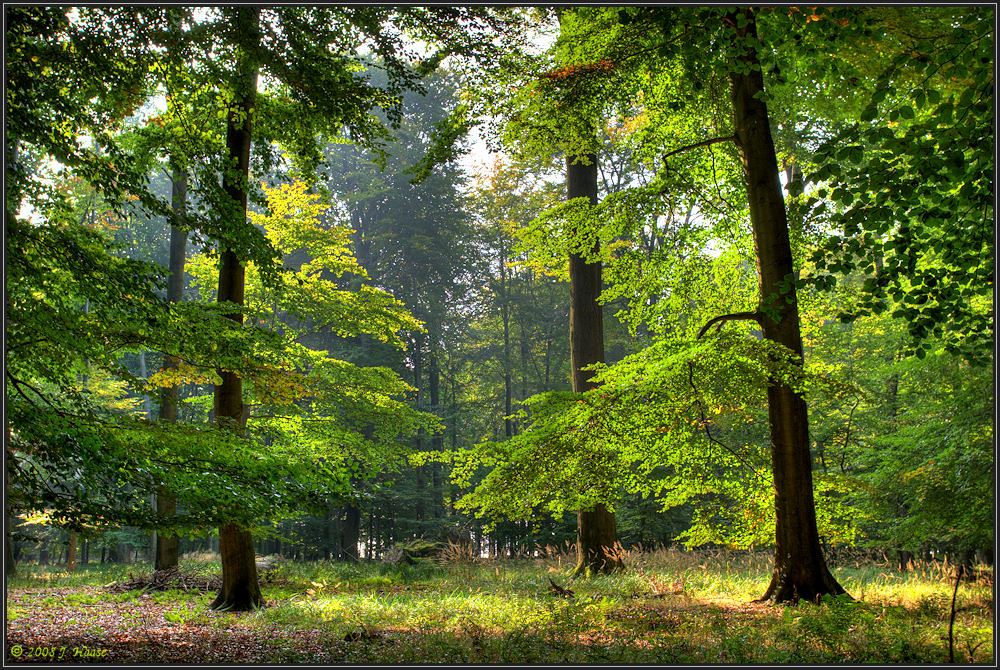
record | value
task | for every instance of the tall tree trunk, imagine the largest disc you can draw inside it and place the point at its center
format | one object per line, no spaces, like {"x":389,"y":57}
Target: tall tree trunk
{"x":147,"y":402}
{"x":166,"y":555}
{"x":10,"y":561}
{"x":437,"y":441}
{"x":166,"y":552}
{"x":596,"y":533}
{"x":240,"y":587}
{"x":418,"y":378}
{"x":508,"y":426}
{"x":10,"y":171}
{"x":800,"y":570}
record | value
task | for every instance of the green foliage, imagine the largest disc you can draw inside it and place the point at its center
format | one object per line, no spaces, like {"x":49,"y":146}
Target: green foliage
{"x":918,"y":441}
{"x":914,"y":190}
{"x":310,"y":406}
{"x":663,"y":423}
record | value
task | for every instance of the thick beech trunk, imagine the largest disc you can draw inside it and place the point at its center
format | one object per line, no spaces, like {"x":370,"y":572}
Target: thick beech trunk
{"x":800,"y":570}
{"x":596,"y":534}
{"x":240,"y":588}
{"x":165,"y":554}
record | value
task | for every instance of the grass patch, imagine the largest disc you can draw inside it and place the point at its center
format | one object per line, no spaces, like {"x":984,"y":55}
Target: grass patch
{"x":668,"y":607}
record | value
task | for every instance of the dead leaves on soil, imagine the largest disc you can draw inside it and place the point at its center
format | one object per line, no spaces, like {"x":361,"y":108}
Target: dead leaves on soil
{"x":145,"y":631}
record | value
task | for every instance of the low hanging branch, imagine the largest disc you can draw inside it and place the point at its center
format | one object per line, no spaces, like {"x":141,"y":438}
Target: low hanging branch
{"x":703,"y":143}
{"x":708,"y":434}
{"x":736,"y":316}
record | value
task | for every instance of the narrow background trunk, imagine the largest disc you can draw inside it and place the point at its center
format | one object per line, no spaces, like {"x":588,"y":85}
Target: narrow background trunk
{"x":166,"y":504}
{"x":437,"y":441}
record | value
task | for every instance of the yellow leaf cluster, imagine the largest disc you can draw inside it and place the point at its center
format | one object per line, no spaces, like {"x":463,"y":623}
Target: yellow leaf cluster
{"x":183,"y":374}
{"x":275,"y":385}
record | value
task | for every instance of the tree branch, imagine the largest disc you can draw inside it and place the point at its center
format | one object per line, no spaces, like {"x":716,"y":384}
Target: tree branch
{"x":708,"y":433}
{"x":703,"y":143}
{"x":737,"y":316}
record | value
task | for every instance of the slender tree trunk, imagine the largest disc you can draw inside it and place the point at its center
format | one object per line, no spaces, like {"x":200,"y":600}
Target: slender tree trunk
{"x":10,"y":562}
{"x":350,"y":532}
{"x":71,"y":553}
{"x":453,"y":489}
{"x":166,"y":553}
{"x":524,"y":350}
{"x":240,"y":587}
{"x":800,"y":570}
{"x":508,"y":427}
{"x":437,"y":441}
{"x":147,"y":403}
{"x":596,"y":532}
{"x":8,"y":550}
{"x":418,"y":378}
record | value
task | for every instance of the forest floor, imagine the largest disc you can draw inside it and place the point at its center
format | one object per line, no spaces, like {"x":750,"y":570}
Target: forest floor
{"x":668,"y":607}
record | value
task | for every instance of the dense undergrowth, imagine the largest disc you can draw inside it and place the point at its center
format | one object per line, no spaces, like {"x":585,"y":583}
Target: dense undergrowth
{"x":668,"y":607}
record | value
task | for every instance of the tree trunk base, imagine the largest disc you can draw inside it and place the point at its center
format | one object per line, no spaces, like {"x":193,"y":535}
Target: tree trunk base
{"x":791,"y":586}
{"x":240,"y":590}
{"x":237,"y":600}
{"x":597,"y":543}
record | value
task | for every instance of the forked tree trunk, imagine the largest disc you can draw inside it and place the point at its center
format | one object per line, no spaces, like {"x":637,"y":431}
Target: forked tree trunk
{"x":596,"y":534}
{"x":165,"y":553}
{"x":240,"y":587}
{"x":800,"y":570}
